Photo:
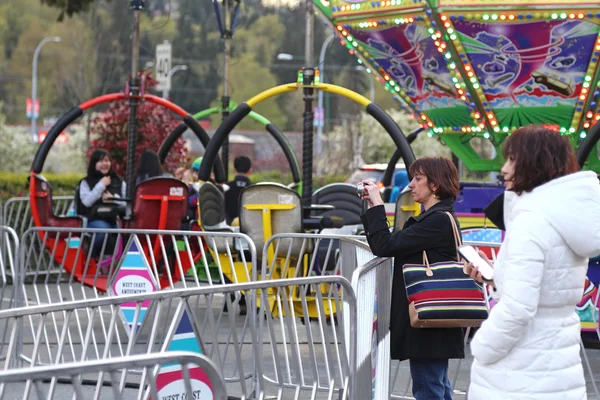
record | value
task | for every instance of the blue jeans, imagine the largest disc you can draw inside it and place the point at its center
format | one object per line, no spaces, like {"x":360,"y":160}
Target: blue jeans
{"x":99,"y":238}
{"x":430,"y":379}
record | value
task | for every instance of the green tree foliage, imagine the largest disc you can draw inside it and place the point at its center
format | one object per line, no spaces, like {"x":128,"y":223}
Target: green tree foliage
{"x":248,"y":76}
{"x":16,"y":148}
{"x":69,"y":7}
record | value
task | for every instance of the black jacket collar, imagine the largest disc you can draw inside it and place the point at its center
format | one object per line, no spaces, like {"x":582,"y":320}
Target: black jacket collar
{"x":443,"y":205}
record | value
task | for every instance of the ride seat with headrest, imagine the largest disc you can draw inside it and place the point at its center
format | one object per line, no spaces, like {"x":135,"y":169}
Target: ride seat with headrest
{"x":289,"y":220}
{"x":43,"y":202}
{"x":344,"y":198}
{"x":405,"y":208}
{"x":159,"y":203}
{"x":212,"y":216}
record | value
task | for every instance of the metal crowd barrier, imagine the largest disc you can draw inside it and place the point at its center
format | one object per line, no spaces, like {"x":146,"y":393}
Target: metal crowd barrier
{"x":306,"y":254}
{"x":372,"y":283}
{"x":319,"y":310}
{"x":1,"y":213}
{"x":244,"y":349}
{"x":58,"y":264}
{"x":17,"y":213}
{"x":176,"y":375}
{"x":9,"y":250}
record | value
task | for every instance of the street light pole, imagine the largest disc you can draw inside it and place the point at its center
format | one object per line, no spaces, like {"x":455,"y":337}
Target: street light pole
{"x":165,"y":93}
{"x":321,"y":121}
{"x":36,"y":55}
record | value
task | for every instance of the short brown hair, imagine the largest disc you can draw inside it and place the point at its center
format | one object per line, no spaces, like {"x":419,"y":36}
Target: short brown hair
{"x":440,"y":172}
{"x":541,"y":155}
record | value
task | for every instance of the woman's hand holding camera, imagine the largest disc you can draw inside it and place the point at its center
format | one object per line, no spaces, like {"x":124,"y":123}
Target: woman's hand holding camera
{"x":474,"y":273}
{"x":369,"y":192}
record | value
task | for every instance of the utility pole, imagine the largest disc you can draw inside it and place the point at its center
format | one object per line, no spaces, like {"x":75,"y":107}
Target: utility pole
{"x":134,"y":91}
{"x":34,"y":68}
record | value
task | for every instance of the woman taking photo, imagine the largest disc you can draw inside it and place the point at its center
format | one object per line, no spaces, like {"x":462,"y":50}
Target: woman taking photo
{"x":99,"y":187}
{"x":528,"y":348}
{"x":435,"y":186}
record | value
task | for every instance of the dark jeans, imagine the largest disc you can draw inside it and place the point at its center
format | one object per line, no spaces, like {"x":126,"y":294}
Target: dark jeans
{"x":99,"y":238}
{"x":430,"y":379}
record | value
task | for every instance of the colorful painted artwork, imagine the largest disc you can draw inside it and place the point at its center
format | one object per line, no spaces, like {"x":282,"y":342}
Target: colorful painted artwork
{"x":530,"y":78}
{"x":587,"y":308}
{"x":410,"y":57}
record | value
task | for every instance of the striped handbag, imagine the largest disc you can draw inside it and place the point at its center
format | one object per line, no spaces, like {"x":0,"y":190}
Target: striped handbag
{"x":441,"y":295}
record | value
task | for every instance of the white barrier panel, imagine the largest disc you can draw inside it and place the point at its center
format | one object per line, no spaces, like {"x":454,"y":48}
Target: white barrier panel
{"x":372,"y":283}
{"x":58,"y":264}
{"x":192,"y":376}
{"x":17,"y":213}
{"x":9,"y":250}
{"x":93,"y":329}
{"x":314,"y":315}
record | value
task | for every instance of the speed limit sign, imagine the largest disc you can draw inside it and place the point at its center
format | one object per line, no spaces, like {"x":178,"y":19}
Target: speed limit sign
{"x":163,"y":66}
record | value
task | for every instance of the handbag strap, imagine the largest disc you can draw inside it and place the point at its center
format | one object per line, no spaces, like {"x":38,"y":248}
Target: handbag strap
{"x":457,"y":243}
{"x":456,"y":233}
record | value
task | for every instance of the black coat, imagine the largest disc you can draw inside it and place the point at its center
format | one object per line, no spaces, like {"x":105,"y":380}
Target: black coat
{"x":432,"y":232}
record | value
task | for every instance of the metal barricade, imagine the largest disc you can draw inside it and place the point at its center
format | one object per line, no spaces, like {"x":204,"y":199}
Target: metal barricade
{"x":1,"y":213}
{"x":9,"y":250}
{"x":58,"y":264}
{"x":17,"y":213}
{"x":295,"y":255}
{"x":372,"y":283}
{"x":313,"y":315}
{"x":176,"y":375}
{"x":93,"y":329}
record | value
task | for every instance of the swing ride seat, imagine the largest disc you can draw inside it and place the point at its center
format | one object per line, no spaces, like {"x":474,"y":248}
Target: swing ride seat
{"x":161,"y":203}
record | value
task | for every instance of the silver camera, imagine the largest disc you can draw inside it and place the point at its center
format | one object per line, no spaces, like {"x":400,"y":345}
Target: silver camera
{"x":360,"y":188}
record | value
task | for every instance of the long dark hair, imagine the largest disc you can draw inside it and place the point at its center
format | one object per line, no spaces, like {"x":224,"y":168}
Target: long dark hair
{"x":149,"y":166}
{"x":94,"y":176}
{"x":541,"y":155}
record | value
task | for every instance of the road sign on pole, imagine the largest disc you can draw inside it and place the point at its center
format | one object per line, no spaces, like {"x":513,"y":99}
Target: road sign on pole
{"x":163,"y":66}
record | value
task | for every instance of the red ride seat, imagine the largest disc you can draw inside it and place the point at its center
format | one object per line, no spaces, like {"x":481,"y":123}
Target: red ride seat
{"x":161,"y":203}
{"x":73,"y":259}
{"x":41,"y":207}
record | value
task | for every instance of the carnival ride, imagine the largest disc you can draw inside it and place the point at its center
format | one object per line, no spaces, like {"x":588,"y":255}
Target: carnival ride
{"x":472,"y":71}
{"x":468,"y":71}
{"x":159,"y":203}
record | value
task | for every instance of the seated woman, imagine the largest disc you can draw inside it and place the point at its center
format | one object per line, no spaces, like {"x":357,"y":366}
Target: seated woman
{"x":98,"y":188}
{"x":149,"y":167}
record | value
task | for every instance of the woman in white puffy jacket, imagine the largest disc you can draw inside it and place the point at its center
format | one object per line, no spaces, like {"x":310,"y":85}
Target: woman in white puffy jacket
{"x":528,"y":348}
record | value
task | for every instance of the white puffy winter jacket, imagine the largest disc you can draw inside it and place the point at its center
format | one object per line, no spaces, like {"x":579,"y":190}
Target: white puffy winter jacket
{"x":528,"y":348}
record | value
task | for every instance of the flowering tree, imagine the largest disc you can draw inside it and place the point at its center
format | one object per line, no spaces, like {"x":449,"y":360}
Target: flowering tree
{"x":109,"y":131}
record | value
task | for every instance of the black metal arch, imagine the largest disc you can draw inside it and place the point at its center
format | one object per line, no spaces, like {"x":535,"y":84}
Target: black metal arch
{"x":190,"y":122}
{"x":288,"y":151}
{"x":244,"y":109}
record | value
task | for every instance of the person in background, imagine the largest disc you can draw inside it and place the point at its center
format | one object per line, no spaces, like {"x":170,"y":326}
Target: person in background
{"x":190,"y":178}
{"x":435,"y":186}
{"x":400,"y":182}
{"x":243,"y":168}
{"x":149,"y":167}
{"x":101,"y":185}
{"x":529,"y":347}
